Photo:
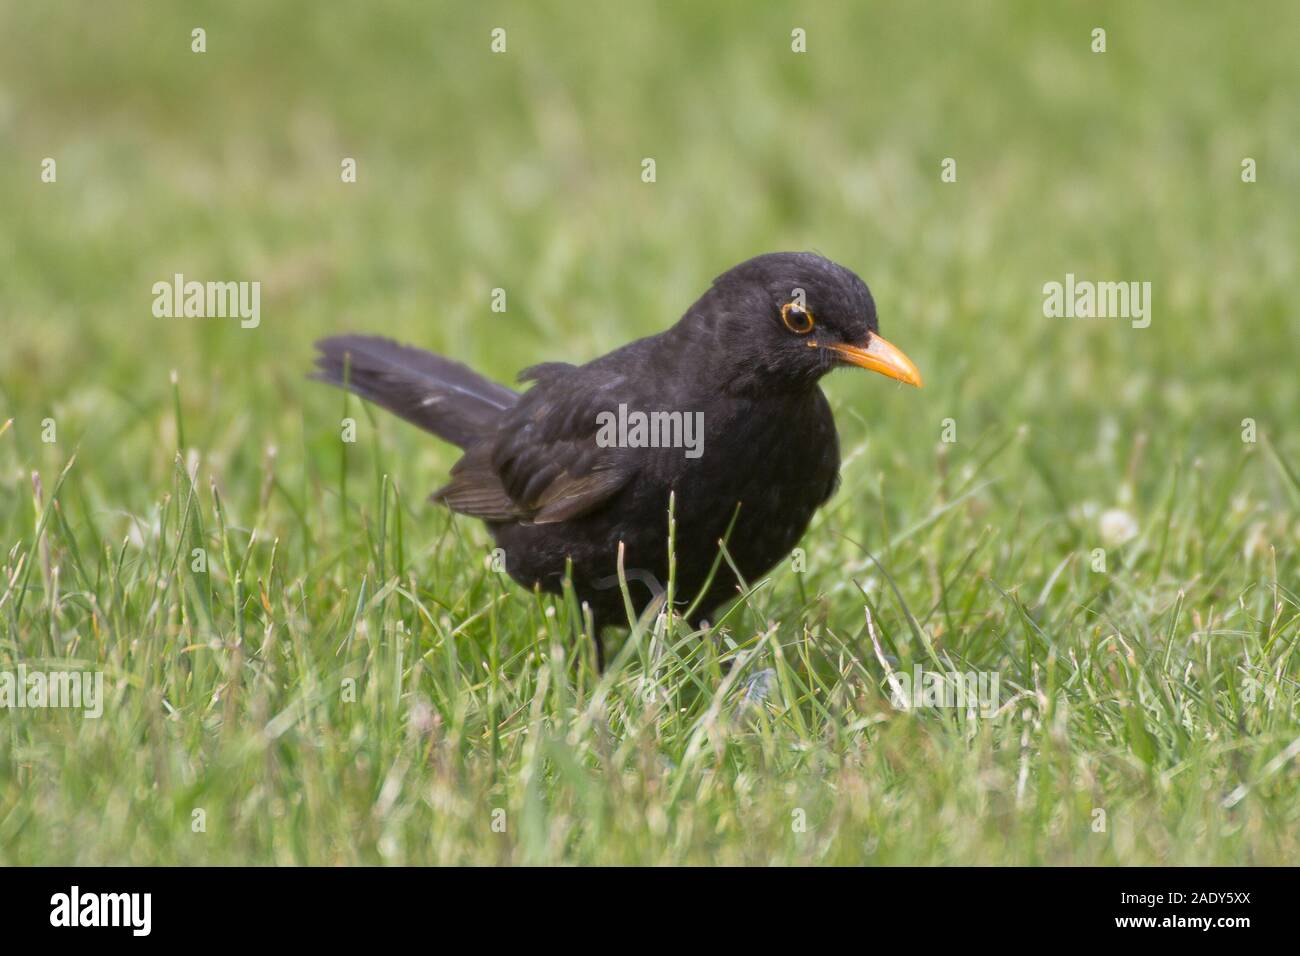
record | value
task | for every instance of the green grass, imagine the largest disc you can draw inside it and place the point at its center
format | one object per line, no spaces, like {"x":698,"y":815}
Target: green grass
{"x":1162,"y":691}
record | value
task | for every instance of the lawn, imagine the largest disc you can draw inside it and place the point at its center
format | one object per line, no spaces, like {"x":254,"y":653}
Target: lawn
{"x":306,"y":662}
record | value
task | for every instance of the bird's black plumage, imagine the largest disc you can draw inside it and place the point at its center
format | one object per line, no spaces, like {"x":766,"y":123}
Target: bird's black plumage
{"x":747,"y":356}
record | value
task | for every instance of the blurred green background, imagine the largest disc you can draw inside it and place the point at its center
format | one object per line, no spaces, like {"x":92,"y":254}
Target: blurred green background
{"x":522,"y":171}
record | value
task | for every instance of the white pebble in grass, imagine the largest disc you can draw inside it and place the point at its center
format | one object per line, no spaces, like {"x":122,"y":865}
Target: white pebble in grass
{"x":1117,"y":526}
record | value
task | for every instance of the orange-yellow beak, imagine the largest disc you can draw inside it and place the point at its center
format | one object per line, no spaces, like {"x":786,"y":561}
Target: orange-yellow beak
{"x":880,"y":356}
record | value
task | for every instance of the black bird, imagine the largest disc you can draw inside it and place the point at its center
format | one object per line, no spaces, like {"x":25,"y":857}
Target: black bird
{"x":570,"y":468}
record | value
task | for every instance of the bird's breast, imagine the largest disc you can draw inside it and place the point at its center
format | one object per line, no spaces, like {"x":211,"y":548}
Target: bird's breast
{"x":768,"y":463}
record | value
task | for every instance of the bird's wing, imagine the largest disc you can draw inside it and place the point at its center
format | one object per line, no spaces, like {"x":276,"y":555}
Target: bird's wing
{"x":475,"y":488}
{"x":543,"y":465}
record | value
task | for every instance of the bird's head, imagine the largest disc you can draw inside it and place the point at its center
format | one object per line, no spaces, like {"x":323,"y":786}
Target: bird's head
{"x":785,"y":319}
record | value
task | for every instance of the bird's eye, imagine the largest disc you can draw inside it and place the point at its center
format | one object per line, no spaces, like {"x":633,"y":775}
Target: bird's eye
{"x":796,"y":318}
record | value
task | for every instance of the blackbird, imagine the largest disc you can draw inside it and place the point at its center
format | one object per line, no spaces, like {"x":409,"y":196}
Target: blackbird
{"x":723,"y":411}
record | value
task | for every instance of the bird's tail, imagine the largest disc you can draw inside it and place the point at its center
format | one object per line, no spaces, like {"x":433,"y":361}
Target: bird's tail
{"x":441,"y":396}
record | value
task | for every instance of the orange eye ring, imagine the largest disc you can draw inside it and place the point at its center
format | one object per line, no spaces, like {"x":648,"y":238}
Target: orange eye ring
{"x":796,"y":318}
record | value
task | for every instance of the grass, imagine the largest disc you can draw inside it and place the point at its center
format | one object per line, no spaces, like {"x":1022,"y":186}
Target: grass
{"x":348,"y":681}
